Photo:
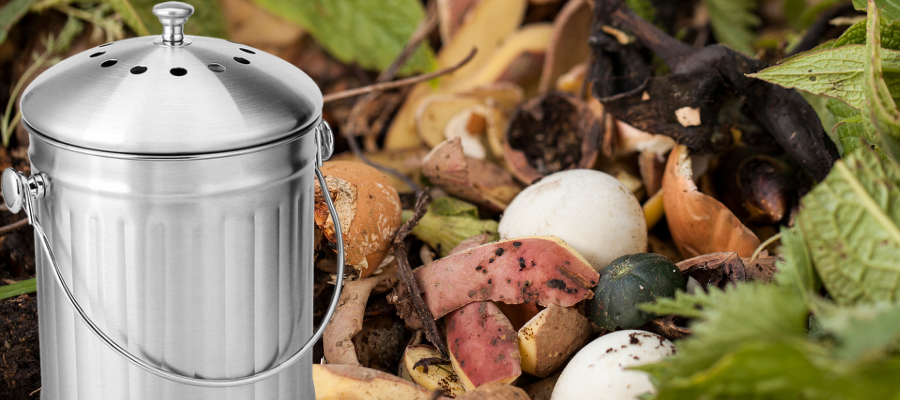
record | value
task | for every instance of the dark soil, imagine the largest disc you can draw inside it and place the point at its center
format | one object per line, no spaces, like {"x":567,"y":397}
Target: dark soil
{"x":20,"y":366}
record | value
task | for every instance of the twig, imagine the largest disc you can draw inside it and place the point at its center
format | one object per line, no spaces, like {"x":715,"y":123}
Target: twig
{"x":763,"y":246}
{"x":406,"y":276}
{"x":356,"y":114}
{"x":382,"y":86}
{"x":13,"y":226}
{"x":669,"y":329}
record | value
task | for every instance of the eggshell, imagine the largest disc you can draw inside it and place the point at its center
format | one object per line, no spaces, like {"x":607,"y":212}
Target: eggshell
{"x":598,"y":371}
{"x":589,"y":210}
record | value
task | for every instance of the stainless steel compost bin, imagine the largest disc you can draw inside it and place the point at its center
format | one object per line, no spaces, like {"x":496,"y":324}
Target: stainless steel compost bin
{"x":172,"y":199}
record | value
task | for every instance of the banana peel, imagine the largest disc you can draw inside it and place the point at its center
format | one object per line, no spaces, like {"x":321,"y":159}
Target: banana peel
{"x":484,"y":29}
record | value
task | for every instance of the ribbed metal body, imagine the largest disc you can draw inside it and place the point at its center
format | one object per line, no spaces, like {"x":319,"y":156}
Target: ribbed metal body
{"x":201,"y":265}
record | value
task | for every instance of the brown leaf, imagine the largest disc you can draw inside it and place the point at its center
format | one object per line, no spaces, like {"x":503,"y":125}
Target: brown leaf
{"x":699,"y":223}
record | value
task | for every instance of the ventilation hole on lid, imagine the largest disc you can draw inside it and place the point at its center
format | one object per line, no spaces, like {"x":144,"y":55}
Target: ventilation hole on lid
{"x":247,"y":51}
{"x":178,"y":71}
{"x":140,"y":69}
{"x":242,"y":60}
{"x":109,"y":63}
{"x":216,"y":67}
{"x":97,"y":54}
{"x":105,"y":44}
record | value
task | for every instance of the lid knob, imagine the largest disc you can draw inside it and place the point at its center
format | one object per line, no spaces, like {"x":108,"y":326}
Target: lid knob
{"x":173,"y":15}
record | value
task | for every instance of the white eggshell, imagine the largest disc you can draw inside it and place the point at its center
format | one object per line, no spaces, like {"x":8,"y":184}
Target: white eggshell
{"x":589,"y":210}
{"x":598,"y":372}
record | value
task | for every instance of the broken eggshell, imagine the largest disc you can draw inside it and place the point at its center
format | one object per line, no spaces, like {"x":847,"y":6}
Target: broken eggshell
{"x":478,"y":181}
{"x":699,"y":223}
{"x":551,"y":133}
{"x":369,"y":210}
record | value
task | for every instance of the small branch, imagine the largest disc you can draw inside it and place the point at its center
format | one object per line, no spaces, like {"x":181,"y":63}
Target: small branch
{"x":377,"y":87}
{"x":13,"y":226}
{"x":406,"y":276}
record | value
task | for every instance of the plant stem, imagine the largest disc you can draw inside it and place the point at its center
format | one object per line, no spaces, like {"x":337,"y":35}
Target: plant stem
{"x":18,"y":289}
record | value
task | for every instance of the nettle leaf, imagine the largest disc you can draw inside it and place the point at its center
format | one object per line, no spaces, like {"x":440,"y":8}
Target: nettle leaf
{"x":836,"y":72}
{"x":749,"y":312}
{"x":879,"y":107}
{"x":856,"y":34}
{"x":850,"y":223}
{"x":369,"y":33}
{"x":733,"y":22}
{"x":795,"y":270}
{"x":863,"y":332}
{"x":891,"y":7}
{"x":683,"y":304}
{"x":786,"y":370}
{"x":849,"y":127}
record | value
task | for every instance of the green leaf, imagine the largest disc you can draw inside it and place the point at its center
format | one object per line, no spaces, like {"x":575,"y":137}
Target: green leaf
{"x":863,"y":332}
{"x":748,"y":312}
{"x":836,"y":72}
{"x":683,"y":304}
{"x":850,"y":223}
{"x":450,"y":207}
{"x":449,"y":221}
{"x":138,"y":15}
{"x":856,"y":34}
{"x":130,"y":15}
{"x":643,"y":8}
{"x":891,"y":8}
{"x":10,"y":14}
{"x":18,"y":289}
{"x":733,"y":22}
{"x":795,"y":270}
{"x":786,"y":370}
{"x":369,"y":33}
{"x":880,"y":110}
{"x":849,"y":128}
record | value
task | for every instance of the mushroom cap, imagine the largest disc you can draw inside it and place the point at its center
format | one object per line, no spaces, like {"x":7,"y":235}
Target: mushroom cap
{"x":369,"y":210}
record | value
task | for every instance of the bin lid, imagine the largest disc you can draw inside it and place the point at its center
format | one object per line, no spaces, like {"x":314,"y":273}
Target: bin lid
{"x":171,"y":95}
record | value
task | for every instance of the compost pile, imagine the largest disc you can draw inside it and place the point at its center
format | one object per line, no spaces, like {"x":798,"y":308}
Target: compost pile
{"x":567,"y":199}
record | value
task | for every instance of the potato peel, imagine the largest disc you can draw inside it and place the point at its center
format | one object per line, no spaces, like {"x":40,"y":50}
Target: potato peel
{"x":478,"y":181}
{"x":483,"y":346}
{"x":541,"y":269}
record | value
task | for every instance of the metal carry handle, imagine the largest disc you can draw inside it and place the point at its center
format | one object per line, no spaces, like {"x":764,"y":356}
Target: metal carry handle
{"x":20,"y":192}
